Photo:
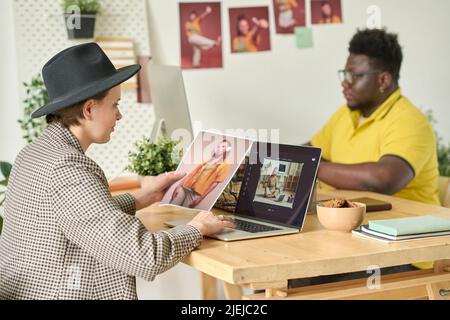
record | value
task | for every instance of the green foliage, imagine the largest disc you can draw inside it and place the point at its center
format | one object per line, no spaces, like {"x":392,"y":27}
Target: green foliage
{"x":86,"y":6}
{"x":5,"y":169}
{"x":37,"y":96}
{"x":151,"y":159}
{"x":443,"y":149}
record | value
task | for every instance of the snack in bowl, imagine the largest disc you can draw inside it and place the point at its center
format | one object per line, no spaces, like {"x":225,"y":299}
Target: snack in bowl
{"x":340,"y":214}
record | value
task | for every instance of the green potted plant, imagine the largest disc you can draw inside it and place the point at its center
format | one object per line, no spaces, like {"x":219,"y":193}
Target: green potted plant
{"x":152,"y":159}
{"x":5,"y":169}
{"x":37,"y":96}
{"x":443,"y":149}
{"x":443,"y":155}
{"x":80,"y":17}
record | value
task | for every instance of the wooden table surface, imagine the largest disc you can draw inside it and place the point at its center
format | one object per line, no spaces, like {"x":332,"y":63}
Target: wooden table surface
{"x":312,"y":252}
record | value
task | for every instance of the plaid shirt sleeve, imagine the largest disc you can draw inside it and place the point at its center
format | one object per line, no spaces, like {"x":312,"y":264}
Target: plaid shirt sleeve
{"x":126,"y":203}
{"x":92,"y":219}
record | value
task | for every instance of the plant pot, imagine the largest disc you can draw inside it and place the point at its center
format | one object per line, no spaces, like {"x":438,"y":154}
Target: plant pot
{"x":87,"y":26}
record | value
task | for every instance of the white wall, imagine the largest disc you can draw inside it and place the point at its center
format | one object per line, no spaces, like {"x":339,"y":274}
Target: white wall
{"x":10,"y":110}
{"x":297,"y":90}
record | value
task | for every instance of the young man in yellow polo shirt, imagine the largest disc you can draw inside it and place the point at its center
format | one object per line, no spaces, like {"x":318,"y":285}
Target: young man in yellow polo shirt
{"x":378,"y":141}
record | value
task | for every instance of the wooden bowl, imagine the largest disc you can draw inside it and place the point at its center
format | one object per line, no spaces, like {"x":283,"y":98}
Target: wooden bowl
{"x":341,"y":219}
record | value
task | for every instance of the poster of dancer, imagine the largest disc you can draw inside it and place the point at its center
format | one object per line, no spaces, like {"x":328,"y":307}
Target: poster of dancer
{"x":288,"y":15}
{"x":326,"y":11}
{"x":200,"y":35}
{"x":249,"y":29}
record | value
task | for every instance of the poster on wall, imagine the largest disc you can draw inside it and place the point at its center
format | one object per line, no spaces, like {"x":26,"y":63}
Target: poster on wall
{"x":249,"y":29}
{"x":288,"y":15}
{"x":200,"y":35}
{"x":326,"y":11}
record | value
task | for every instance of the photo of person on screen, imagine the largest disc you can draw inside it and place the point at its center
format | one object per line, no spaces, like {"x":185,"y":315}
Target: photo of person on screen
{"x":248,"y":38}
{"x":204,"y":178}
{"x":278,"y":182}
{"x":195,"y":36}
{"x":271,"y":189}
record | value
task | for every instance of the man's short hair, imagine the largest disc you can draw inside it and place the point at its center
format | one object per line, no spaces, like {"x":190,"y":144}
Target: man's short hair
{"x":382,"y":47}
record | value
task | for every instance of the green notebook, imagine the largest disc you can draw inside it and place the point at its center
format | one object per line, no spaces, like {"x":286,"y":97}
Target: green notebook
{"x":408,"y":226}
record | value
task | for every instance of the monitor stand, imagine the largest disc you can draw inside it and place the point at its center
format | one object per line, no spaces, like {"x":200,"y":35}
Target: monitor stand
{"x":159,"y":130}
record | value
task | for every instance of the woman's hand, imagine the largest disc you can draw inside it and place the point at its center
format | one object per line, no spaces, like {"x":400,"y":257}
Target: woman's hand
{"x":153,"y":188}
{"x":208,"y":224}
{"x":261,"y":23}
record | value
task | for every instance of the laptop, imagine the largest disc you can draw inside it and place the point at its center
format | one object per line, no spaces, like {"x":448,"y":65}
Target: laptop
{"x":275,"y":192}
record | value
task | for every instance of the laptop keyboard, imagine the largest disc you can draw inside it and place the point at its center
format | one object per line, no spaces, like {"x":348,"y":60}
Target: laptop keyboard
{"x":252,"y":227}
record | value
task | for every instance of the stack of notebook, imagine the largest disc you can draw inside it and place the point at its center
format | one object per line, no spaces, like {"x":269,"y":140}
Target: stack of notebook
{"x":405,"y":228}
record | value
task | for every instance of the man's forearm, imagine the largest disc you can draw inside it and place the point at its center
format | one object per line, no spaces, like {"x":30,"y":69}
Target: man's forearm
{"x":351,"y":177}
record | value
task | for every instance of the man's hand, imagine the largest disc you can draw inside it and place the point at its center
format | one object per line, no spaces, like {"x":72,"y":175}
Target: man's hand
{"x":208,"y":224}
{"x":153,"y":188}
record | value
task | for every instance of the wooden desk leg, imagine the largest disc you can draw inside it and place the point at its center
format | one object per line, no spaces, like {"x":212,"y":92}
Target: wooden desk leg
{"x":209,"y":287}
{"x":276,"y":292}
{"x":232,"y":291}
{"x":271,"y":289}
{"x":441,"y":290}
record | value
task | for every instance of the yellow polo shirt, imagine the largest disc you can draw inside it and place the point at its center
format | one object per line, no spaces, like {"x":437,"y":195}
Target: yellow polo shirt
{"x":396,"y":128}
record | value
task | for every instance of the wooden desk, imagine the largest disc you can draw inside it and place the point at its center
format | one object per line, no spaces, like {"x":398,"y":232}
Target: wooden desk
{"x":268,"y":263}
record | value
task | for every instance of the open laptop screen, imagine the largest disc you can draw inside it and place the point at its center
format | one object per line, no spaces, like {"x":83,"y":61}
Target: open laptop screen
{"x":278,"y":183}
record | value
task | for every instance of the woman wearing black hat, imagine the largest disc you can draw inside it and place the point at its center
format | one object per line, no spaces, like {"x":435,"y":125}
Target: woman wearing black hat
{"x":65,"y":236}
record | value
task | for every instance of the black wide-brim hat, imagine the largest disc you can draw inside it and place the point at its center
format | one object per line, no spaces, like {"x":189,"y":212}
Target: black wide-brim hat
{"x":79,"y":73}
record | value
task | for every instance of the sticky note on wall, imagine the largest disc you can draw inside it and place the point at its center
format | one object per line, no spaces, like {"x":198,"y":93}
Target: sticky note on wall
{"x":304,"y":37}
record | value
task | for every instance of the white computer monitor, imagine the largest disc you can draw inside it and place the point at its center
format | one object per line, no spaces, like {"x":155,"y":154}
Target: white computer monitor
{"x":172,"y":117}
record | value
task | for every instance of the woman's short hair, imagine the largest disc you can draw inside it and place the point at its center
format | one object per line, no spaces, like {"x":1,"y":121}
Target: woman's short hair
{"x":71,"y":116}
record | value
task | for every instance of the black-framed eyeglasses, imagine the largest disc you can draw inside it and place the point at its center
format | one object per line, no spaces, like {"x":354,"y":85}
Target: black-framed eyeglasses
{"x":351,"y":77}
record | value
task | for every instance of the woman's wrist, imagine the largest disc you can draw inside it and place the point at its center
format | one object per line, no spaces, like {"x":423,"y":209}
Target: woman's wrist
{"x":199,"y":226}
{"x":141,"y":199}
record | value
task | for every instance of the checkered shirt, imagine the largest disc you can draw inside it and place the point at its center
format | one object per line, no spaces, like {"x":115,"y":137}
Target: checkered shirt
{"x":66,"y":237}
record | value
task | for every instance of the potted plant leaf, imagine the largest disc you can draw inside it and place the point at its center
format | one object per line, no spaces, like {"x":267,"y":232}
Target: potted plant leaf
{"x":443,"y":149}
{"x":36,"y":96}
{"x":80,"y":17}
{"x":5,"y":169}
{"x":152,"y":159}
